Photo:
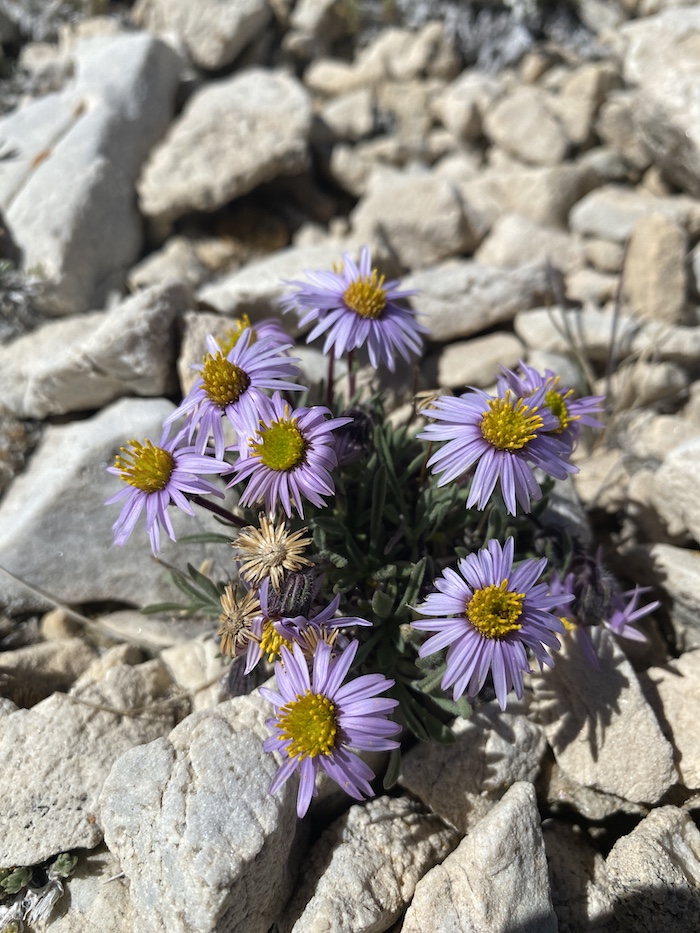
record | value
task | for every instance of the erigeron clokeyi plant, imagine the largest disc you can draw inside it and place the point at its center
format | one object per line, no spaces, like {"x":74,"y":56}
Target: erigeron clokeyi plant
{"x":363,"y":552}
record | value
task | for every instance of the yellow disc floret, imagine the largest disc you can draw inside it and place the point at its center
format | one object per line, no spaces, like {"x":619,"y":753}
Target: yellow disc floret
{"x":366,"y":296}
{"x":494,"y":610}
{"x":228,"y":340}
{"x":145,"y":466}
{"x":282,"y":446}
{"x":271,"y":641}
{"x":224,"y":382}
{"x":311,"y":723}
{"x":509,"y":424}
{"x":556,"y":402}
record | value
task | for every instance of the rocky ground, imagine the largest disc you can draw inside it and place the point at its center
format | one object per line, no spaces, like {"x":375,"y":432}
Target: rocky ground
{"x":534,"y":172}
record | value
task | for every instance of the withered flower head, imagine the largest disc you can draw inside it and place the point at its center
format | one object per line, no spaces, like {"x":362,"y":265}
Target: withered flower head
{"x":270,"y":550}
{"x":236,"y":620}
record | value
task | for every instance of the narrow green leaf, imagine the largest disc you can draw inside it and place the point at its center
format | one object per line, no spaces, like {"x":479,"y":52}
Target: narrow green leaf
{"x":393,"y":769}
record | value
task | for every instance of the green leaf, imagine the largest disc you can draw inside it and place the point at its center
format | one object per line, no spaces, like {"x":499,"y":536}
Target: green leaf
{"x":382,"y":604}
{"x":393,"y":769}
{"x":377,"y":513}
{"x":208,"y":537}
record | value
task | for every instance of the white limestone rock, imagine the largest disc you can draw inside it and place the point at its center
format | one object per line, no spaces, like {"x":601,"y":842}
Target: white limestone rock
{"x":362,"y":872}
{"x":97,"y":898}
{"x":577,"y":878}
{"x":213,"y":33}
{"x":653,"y":874}
{"x":603,"y":732}
{"x":461,"y":297}
{"x":580,"y":96}
{"x":202,"y":842}
{"x":56,"y":756}
{"x":87,"y":361}
{"x":419,"y":215}
{"x":463,"y":104}
{"x":661,"y":59}
{"x":232,"y":135}
{"x":676,"y":572}
{"x":674,"y":690}
{"x":514,"y":241}
{"x":56,"y":532}
{"x":611,"y":212}
{"x":68,"y":195}
{"x":197,"y":666}
{"x":476,"y":362}
{"x":495,"y":880}
{"x":462,"y":782}
{"x":655,"y":278}
{"x":522,"y":124}
{"x":673,"y":481}
{"x":257,"y":289}
{"x":350,"y":116}
{"x":46,"y":666}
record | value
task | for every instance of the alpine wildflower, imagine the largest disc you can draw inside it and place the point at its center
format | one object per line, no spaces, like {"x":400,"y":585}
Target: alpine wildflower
{"x":290,"y":456}
{"x":232,"y":385}
{"x":506,"y":436}
{"x":318,"y":720}
{"x":489,"y":614}
{"x":155,"y":477}
{"x":236,"y":620}
{"x":354,"y":307}
{"x":571,"y":412}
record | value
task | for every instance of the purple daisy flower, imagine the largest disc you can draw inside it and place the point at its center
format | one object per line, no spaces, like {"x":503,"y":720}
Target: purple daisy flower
{"x":490,"y":614}
{"x":318,"y":719}
{"x":157,"y":476}
{"x":508,"y":436}
{"x":232,"y":385}
{"x":570,"y":412}
{"x":619,"y":612}
{"x":354,"y":308}
{"x":290,"y":456}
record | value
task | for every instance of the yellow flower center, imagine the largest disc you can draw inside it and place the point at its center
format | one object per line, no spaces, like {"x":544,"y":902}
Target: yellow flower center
{"x":271,"y":641}
{"x":282,"y":446}
{"x":494,"y":610}
{"x":556,"y":402}
{"x":567,"y":623}
{"x":366,"y":296}
{"x":509,"y":425}
{"x":224,"y":382}
{"x":146,"y":467}
{"x":228,"y":340}
{"x":311,"y":723}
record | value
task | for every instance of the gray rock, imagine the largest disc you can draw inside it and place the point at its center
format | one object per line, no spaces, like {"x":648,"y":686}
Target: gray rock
{"x":189,"y":817}
{"x":611,"y":212}
{"x":642,"y":384}
{"x":476,"y":362}
{"x":590,"y":287}
{"x":87,"y":361}
{"x":79,"y":153}
{"x":461,"y":297}
{"x":522,"y":124}
{"x":652,"y":874}
{"x":616,"y":126}
{"x":232,"y":135}
{"x":213,"y":33}
{"x":602,"y":731}
{"x":153,"y":632}
{"x":57,"y":507}
{"x":363,"y":871}
{"x":557,"y":331}
{"x":420,"y":216}
{"x":661,"y":59}
{"x":197,"y":666}
{"x":177,"y":261}
{"x":57,"y":755}
{"x":674,"y":691}
{"x":463,"y":782}
{"x":495,"y":880}
{"x":565,"y":795}
{"x":580,"y":96}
